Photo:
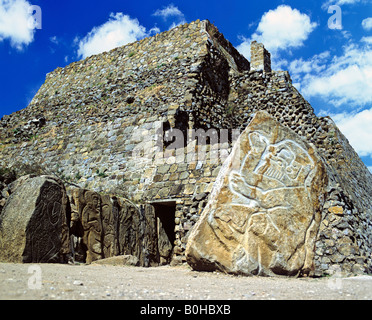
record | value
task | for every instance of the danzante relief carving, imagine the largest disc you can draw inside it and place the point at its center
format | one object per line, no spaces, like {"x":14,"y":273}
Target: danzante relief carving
{"x":105,"y":227}
{"x":43,"y":231}
{"x":34,"y":224}
{"x":263,"y":215}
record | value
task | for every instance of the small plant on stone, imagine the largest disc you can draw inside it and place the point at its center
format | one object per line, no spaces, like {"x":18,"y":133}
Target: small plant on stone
{"x":101,"y":174}
{"x":78,"y":176}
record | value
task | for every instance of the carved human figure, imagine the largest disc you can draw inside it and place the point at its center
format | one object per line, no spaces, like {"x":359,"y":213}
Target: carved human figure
{"x":45,"y":228}
{"x":128,"y":229}
{"x":108,"y":224}
{"x":269,"y":188}
{"x":264,"y":211}
{"x":78,"y":248}
{"x":92,"y":224}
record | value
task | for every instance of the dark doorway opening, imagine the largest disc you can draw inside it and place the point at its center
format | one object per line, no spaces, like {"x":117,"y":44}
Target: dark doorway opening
{"x":165,"y":215}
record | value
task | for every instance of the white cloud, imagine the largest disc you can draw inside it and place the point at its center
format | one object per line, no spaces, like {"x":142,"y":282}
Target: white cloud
{"x":367,"y":40}
{"x":357,"y":129}
{"x":169,"y":11}
{"x":342,"y":2}
{"x":345,"y":79}
{"x":54,"y":40}
{"x":281,"y":29}
{"x":314,"y":64}
{"x":370,"y":169}
{"x":16,"y":23}
{"x":367,"y":24}
{"x":176,"y":23}
{"x":245,"y":47}
{"x":343,"y":86}
{"x":119,"y":30}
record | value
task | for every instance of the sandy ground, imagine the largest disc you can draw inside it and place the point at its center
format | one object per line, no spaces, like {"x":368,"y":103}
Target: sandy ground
{"x":101,"y":282}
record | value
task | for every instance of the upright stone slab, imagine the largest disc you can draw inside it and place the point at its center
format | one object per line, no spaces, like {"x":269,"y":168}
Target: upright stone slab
{"x":136,"y":233}
{"x":89,"y":204}
{"x":164,"y":244}
{"x":34,"y":222}
{"x":94,"y":221}
{"x":109,"y":223}
{"x":264,"y":211}
{"x":129,"y":228}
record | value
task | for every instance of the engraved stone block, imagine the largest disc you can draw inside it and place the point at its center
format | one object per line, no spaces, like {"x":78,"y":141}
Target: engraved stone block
{"x":34,"y":222}
{"x":264,"y":211}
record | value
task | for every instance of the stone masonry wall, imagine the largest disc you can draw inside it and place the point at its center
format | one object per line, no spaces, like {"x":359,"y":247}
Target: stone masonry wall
{"x":99,"y":123}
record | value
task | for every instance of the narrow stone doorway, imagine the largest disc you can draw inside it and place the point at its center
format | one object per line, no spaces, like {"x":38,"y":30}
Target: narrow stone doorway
{"x":165,"y":215}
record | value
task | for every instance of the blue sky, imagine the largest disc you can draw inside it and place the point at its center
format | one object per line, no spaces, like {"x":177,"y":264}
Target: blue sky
{"x":326,"y":45}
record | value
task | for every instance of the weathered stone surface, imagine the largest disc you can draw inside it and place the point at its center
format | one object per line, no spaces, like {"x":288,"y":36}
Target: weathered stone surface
{"x":127,"y":260}
{"x":149,"y":244}
{"x":6,"y":178}
{"x":89,"y":219}
{"x":105,"y":226}
{"x":136,"y":233}
{"x":34,"y":222}
{"x":109,"y":227}
{"x":164,"y":245}
{"x":260,"y":58}
{"x":264,"y":212}
{"x":336,"y":210}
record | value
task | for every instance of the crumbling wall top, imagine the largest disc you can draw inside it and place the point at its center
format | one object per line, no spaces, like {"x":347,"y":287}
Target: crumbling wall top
{"x":260,"y":57}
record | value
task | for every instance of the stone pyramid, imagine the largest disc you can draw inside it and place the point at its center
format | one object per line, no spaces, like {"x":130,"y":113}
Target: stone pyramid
{"x":154,"y":121}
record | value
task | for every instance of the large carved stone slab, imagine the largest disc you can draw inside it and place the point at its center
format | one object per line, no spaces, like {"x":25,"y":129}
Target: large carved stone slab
{"x":34,"y":222}
{"x":94,"y":225}
{"x":87,"y":224}
{"x":109,"y":227}
{"x":263,"y":214}
{"x":136,"y":232}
